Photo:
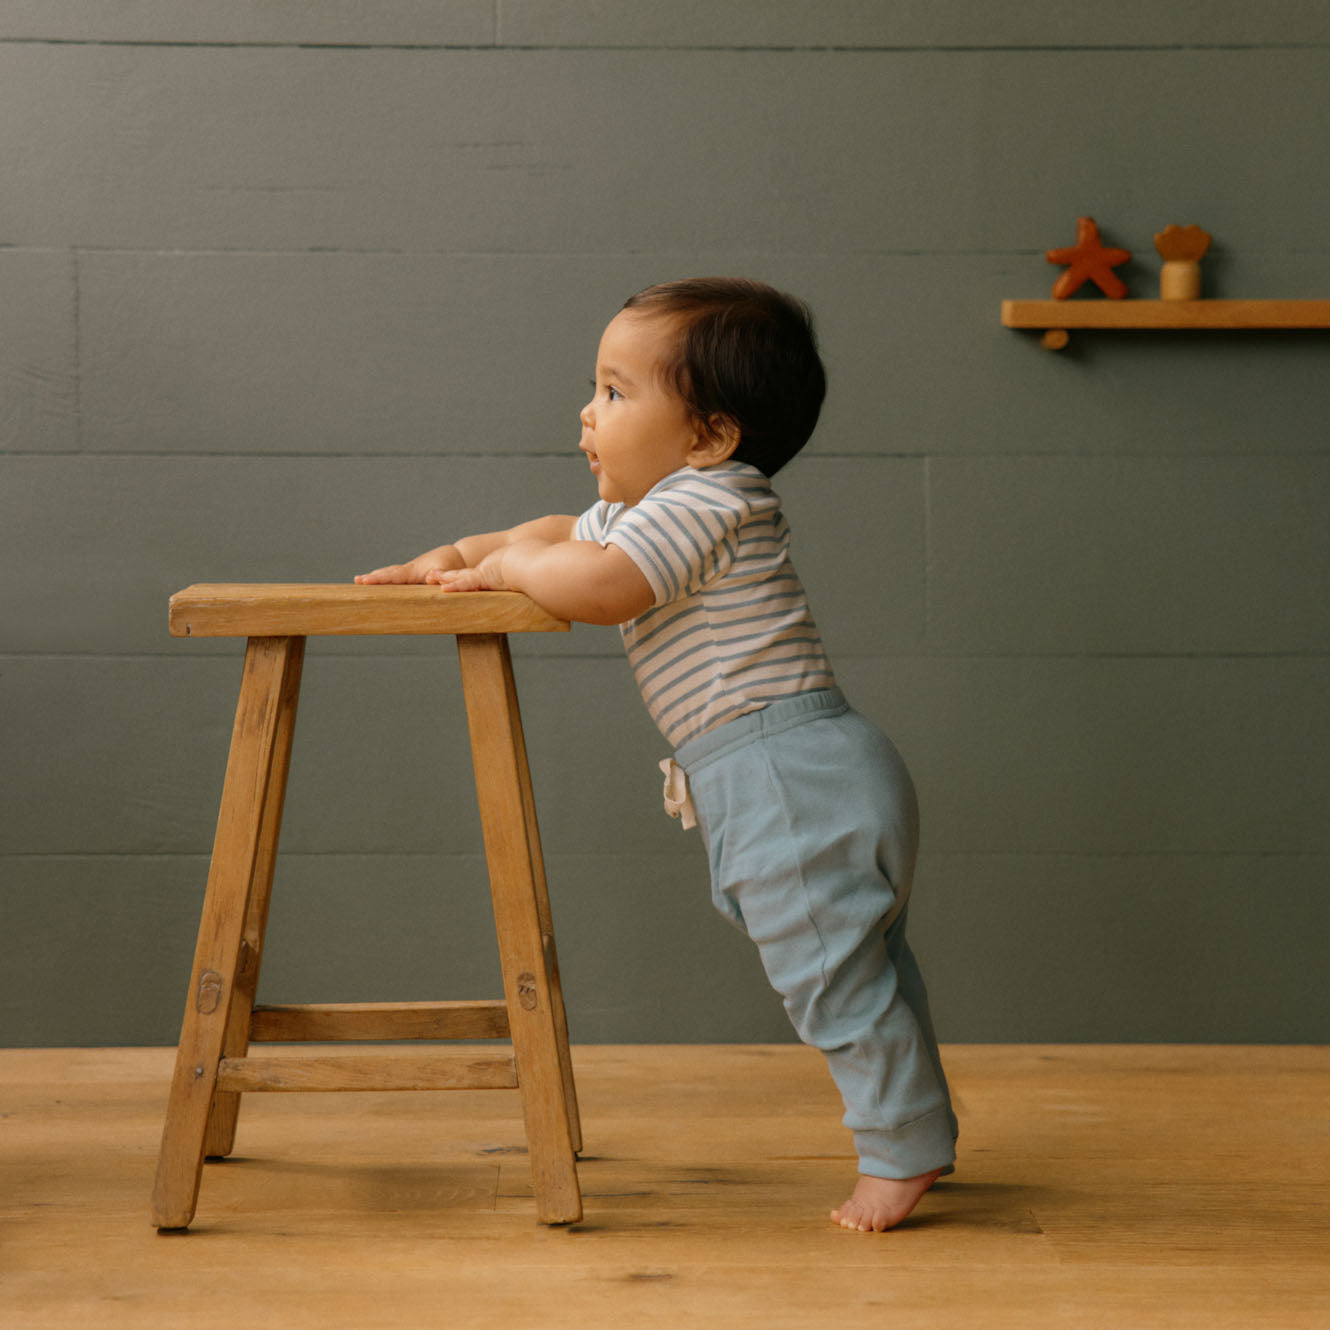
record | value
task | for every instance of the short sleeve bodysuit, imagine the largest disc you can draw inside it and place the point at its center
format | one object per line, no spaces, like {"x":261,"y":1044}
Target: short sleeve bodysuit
{"x":729,"y":630}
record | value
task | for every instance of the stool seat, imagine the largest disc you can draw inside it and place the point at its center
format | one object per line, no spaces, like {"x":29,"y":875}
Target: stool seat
{"x":221,"y":1019}
{"x":319,"y":609}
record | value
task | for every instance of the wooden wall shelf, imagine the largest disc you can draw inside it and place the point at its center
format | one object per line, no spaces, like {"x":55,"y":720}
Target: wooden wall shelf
{"x":1059,"y":317}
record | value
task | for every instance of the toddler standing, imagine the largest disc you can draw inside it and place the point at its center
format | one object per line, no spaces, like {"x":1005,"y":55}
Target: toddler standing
{"x":704,"y":389}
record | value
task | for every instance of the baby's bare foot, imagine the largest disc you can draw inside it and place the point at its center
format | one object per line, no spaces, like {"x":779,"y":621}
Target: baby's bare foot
{"x":881,"y":1203}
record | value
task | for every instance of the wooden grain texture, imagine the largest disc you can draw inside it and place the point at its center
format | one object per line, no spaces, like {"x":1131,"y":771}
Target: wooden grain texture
{"x":847,"y":24}
{"x":526,"y":956}
{"x":220,"y":1135}
{"x":212,"y":1067}
{"x":255,"y":297}
{"x":246,"y":834}
{"x":738,"y":24}
{"x":297,"y":1022}
{"x":457,"y":150}
{"x":283,"y":365}
{"x":540,"y":889}
{"x":1081,"y":729}
{"x":1208,"y":569}
{"x":1166,"y":314}
{"x":367,"y":1072}
{"x":263,"y":22}
{"x":308,"y":609}
{"x":1099,"y":1187}
{"x":38,"y":355}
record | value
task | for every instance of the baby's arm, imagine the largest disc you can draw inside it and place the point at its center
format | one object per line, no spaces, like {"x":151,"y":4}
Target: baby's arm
{"x":468,"y":552}
{"x":573,"y":579}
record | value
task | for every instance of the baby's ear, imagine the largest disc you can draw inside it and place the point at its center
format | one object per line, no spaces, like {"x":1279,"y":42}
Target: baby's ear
{"x":716,"y":442}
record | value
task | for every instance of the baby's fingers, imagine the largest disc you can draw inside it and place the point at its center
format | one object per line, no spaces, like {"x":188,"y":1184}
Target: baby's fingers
{"x":393,"y":573}
{"x":457,"y":579}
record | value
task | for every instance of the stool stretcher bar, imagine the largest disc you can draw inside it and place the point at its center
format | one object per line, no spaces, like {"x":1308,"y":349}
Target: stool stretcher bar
{"x":315,"y":1022}
{"x":367,"y":1071}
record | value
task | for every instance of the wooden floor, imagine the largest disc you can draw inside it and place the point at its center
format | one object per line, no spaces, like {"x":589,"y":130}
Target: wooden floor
{"x":1097,"y":1187}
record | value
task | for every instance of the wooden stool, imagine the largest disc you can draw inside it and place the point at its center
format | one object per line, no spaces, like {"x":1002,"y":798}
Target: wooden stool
{"x":212,"y":1069}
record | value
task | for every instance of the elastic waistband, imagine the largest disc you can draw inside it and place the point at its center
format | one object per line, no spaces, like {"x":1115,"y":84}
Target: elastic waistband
{"x":771,"y":719}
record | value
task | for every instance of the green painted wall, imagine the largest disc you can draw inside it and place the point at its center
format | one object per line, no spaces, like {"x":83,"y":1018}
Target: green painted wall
{"x":289,"y":289}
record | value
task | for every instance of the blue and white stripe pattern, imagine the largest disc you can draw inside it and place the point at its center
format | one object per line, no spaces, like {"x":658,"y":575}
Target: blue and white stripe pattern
{"x":730,"y":630}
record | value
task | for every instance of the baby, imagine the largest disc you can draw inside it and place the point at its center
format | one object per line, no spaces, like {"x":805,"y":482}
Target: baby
{"x":704,"y":389}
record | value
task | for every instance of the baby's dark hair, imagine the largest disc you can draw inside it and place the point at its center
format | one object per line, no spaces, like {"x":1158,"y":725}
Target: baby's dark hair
{"x":745,"y":353}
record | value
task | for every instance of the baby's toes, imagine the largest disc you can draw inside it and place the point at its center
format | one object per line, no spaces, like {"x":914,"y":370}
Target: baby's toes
{"x":852,"y":1216}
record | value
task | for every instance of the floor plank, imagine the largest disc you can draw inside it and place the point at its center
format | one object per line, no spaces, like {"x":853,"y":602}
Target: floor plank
{"x":1097,"y":1187}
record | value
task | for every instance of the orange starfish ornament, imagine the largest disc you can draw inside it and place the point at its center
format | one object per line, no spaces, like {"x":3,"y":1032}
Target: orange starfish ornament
{"x":1088,"y":260}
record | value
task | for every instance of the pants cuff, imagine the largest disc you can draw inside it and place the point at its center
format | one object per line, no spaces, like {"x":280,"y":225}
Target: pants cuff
{"x":918,"y":1147}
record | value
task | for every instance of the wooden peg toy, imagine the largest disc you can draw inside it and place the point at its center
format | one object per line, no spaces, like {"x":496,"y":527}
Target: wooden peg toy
{"x":1181,"y":248}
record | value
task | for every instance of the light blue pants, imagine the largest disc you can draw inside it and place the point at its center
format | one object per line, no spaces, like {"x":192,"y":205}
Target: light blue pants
{"x":811,"y":828}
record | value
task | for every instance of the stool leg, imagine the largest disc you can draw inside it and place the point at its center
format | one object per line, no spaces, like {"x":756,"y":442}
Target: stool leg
{"x":269,"y":667}
{"x":221,"y":1134}
{"x":546,"y":917}
{"x":498,"y":755}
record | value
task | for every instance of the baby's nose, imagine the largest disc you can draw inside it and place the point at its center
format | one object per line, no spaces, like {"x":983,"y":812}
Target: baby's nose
{"x":586,"y":416}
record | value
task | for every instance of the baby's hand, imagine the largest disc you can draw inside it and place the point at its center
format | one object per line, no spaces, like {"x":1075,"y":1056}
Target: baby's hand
{"x":487,"y":575}
{"x":419,"y":569}
{"x":463,"y":579}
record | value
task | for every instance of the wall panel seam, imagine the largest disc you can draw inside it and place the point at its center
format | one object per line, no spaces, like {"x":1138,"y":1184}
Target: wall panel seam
{"x":202,"y":855}
{"x":532,"y":658}
{"x":808,"y":459}
{"x":678,"y":48}
{"x":77,"y":274}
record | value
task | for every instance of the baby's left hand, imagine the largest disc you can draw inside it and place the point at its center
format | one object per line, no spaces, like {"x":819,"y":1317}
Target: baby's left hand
{"x":487,"y":575}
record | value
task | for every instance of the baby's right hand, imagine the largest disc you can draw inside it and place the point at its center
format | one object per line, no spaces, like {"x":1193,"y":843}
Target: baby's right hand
{"x":444,"y":559}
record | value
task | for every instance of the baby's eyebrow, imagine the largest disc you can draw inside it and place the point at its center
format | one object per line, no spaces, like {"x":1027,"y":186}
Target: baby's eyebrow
{"x":611,"y":372}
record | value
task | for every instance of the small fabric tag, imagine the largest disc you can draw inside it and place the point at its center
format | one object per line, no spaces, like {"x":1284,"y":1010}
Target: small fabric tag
{"x":678,"y":802}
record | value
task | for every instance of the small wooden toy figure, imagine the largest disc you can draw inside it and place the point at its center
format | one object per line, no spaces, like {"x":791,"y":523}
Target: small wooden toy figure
{"x":1088,"y":260}
{"x":1181,"y":248}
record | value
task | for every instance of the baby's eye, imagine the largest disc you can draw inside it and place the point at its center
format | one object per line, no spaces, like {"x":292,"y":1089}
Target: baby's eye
{"x":613,"y":393}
